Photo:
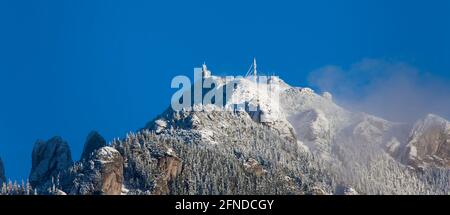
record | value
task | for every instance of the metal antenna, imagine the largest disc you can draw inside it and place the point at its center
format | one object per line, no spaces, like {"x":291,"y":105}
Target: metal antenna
{"x":254,"y":67}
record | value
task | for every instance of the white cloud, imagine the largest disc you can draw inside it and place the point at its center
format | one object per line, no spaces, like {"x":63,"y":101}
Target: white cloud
{"x":394,"y":90}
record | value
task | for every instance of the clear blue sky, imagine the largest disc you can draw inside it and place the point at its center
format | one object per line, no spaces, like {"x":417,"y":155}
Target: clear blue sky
{"x":68,"y":67}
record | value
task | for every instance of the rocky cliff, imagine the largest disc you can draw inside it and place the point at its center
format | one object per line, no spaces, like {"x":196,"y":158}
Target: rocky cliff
{"x":2,"y":173}
{"x":94,"y":141}
{"x":429,"y":143}
{"x":49,"y":161}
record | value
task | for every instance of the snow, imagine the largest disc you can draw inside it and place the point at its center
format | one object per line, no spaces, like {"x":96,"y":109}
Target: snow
{"x":107,"y":154}
{"x":107,"y":151}
{"x":393,"y":145}
{"x":125,"y":191}
{"x":160,"y":125}
{"x":351,"y":143}
{"x":207,"y":135}
{"x":412,"y":152}
{"x":327,"y":96}
{"x":60,"y":193}
{"x":258,"y":94}
{"x":311,"y":126}
{"x":170,"y":151}
{"x":429,"y":122}
{"x":283,"y":107}
{"x":349,"y":191}
{"x":311,"y":120}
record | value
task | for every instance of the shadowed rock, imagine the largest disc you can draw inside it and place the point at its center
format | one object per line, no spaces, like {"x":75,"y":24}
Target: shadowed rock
{"x":2,"y":173}
{"x":93,"y":142}
{"x":49,"y":159}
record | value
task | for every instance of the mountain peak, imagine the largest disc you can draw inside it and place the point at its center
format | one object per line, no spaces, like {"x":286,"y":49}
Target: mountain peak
{"x":49,"y":159}
{"x":2,"y":173}
{"x":93,"y":142}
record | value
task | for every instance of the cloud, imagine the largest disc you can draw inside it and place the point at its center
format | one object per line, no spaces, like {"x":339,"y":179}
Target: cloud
{"x":394,"y":90}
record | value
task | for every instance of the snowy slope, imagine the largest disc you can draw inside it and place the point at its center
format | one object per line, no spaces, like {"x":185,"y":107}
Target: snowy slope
{"x":299,"y":114}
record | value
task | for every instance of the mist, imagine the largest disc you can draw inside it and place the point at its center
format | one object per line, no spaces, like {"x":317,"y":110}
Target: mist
{"x":395,"y":91}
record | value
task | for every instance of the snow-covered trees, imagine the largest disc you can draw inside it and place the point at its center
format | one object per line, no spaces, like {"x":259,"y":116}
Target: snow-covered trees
{"x":14,"y":188}
{"x":219,"y":168}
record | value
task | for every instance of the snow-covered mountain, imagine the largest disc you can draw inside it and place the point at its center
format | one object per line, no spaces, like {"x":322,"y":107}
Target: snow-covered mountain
{"x":356,"y":149}
{"x":300,"y":143}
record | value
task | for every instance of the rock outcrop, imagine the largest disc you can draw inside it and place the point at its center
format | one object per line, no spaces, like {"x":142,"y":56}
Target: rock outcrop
{"x":2,"y":173}
{"x":169,"y":166}
{"x":49,"y":159}
{"x":94,"y":141}
{"x":429,"y":143}
{"x":111,"y":170}
{"x":102,"y":174}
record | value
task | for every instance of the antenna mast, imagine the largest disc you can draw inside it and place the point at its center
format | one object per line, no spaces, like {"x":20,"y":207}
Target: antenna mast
{"x":254,"y":67}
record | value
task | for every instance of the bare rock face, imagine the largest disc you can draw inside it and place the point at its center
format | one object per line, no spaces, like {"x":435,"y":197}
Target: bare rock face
{"x":49,"y":159}
{"x":2,"y":173}
{"x":111,"y":170}
{"x":93,"y":142}
{"x":170,"y":167}
{"x":429,"y":143}
{"x":102,"y":174}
